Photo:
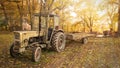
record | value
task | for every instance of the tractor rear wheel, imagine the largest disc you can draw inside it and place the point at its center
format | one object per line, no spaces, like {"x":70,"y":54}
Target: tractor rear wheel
{"x":58,"y":42}
{"x":36,"y":54}
{"x":12,"y":51}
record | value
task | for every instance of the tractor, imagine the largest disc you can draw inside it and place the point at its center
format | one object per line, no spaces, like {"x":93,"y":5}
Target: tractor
{"x":45,"y":33}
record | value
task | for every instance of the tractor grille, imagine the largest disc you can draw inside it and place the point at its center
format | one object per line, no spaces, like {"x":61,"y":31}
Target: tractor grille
{"x":17,"y":43}
{"x":17,"y":36}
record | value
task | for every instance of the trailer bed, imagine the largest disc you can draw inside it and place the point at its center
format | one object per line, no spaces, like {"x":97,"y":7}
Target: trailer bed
{"x":77,"y":36}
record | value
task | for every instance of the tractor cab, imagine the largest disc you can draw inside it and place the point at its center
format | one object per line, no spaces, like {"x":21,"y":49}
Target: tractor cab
{"x":45,"y":25}
{"x":44,"y":22}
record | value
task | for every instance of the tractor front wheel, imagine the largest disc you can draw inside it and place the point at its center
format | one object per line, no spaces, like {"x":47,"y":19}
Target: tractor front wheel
{"x":12,"y":51}
{"x":58,"y":42}
{"x":36,"y":54}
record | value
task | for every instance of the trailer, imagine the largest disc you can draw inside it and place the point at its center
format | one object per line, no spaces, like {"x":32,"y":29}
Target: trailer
{"x":79,"y":37}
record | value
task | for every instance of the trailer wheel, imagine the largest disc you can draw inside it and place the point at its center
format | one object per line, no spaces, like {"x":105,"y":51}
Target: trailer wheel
{"x":36,"y":54}
{"x":58,"y":42}
{"x":12,"y":52}
{"x":84,"y":40}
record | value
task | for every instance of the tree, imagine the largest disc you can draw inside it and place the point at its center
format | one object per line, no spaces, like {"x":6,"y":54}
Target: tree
{"x":119,"y":18}
{"x":4,"y":10}
{"x":89,"y":17}
{"x":111,"y":8}
{"x":111,"y":12}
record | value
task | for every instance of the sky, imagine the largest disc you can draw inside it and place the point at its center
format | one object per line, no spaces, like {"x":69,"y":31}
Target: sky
{"x":97,"y":2}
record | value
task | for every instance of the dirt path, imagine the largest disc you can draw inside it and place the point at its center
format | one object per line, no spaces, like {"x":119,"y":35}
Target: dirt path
{"x":103,"y":53}
{"x":98,"y":53}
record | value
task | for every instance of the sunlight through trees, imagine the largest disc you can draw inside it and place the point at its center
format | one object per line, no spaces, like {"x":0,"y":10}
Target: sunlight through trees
{"x":75,"y":15}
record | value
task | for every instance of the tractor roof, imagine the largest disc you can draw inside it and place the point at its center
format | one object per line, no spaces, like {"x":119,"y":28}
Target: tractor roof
{"x":45,"y":15}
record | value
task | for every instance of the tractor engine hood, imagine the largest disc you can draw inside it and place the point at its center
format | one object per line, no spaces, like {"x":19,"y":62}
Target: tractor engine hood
{"x":21,"y":35}
{"x":34,"y":33}
{"x":26,"y":32}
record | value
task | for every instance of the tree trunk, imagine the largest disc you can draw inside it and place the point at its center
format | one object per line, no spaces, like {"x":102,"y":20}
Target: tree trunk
{"x":119,"y":19}
{"x":30,"y":11}
{"x":20,"y":13}
{"x":5,"y":13}
{"x":91,"y":30}
{"x":84,"y":27}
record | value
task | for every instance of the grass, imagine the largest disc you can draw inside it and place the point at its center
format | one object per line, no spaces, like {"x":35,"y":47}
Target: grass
{"x":97,"y":53}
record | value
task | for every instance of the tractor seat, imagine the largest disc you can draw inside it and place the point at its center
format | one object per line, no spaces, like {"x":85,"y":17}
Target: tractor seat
{"x":49,"y":32}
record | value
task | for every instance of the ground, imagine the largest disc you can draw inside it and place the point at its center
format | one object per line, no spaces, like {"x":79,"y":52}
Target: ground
{"x":97,"y":53}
